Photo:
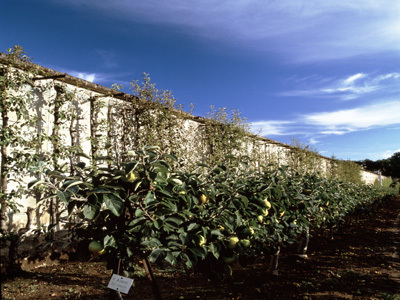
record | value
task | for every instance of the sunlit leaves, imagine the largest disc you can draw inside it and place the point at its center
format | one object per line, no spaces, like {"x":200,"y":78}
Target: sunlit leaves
{"x":188,"y":217}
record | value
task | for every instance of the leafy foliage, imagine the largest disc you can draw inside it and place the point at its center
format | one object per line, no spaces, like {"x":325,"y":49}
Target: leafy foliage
{"x":144,"y":207}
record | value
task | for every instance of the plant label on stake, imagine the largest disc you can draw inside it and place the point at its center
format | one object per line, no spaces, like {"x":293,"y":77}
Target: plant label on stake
{"x":120,"y":283}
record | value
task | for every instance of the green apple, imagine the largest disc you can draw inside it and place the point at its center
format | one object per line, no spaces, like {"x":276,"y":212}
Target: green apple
{"x":233,"y":240}
{"x":96,"y":247}
{"x":246,"y":243}
{"x":230,"y":260}
{"x":266,"y":203}
{"x":260,"y":218}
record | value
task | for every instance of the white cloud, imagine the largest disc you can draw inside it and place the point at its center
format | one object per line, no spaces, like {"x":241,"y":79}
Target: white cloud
{"x":382,"y":114}
{"x":85,"y":76}
{"x":268,"y":128}
{"x":334,"y":132}
{"x":303,"y":30}
{"x":389,"y":153}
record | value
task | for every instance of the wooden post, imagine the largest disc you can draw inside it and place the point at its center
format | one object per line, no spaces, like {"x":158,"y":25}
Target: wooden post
{"x":153,"y":282}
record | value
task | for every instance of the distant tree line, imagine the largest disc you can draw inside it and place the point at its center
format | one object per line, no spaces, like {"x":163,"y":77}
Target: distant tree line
{"x":388,"y":167}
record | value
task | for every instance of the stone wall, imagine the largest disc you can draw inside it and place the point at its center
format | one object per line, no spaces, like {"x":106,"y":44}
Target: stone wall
{"x":81,"y":130}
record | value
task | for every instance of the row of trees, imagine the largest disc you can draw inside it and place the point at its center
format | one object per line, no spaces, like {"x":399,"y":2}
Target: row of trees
{"x":389,"y":166}
{"x":146,"y":187}
{"x":208,"y":217}
{"x":149,"y":116}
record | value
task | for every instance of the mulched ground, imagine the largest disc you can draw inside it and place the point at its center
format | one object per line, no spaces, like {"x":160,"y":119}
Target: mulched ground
{"x":361,"y":263}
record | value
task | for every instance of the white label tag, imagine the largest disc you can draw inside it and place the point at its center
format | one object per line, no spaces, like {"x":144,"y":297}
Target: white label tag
{"x":120,"y":283}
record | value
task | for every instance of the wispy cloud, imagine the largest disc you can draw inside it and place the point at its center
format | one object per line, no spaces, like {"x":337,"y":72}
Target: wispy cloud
{"x":350,"y":80}
{"x":268,"y":128}
{"x":304,"y":30}
{"x":109,"y":58}
{"x":347,"y":88}
{"x":335,"y":122}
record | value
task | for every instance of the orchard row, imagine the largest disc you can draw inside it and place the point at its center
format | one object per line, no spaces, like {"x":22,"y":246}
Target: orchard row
{"x":216,"y":214}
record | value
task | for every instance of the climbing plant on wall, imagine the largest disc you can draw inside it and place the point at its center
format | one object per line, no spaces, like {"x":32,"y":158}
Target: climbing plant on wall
{"x":224,"y":136}
{"x":17,"y":146}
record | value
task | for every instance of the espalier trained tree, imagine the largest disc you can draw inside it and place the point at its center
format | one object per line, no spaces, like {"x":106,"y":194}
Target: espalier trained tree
{"x":211,"y":216}
{"x":16,"y":145}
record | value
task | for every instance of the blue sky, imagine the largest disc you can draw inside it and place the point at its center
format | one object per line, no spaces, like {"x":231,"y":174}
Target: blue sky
{"x":326,"y":73}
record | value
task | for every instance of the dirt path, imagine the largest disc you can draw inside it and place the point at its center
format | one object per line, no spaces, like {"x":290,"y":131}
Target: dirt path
{"x":362,"y":263}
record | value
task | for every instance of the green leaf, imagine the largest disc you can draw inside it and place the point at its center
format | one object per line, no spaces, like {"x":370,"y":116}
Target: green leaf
{"x":152,"y":242}
{"x":34,"y":183}
{"x":172,"y":257}
{"x":139,"y":212}
{"x":90,"y":211}
{"x":198,"y":251}
{"x":158,"y":223}
{"x":170,"y":156}
{"x":99,"y":191}
{"x":109,"y":241}
{"x":62,"y":197}
{"x":245,"y":200}
{"x":216,"y":232}
{"x":114,"y":204}
{"x":166,"y":192}
{"x":73,"y":183}
{"x":237,"y":203}
{"x":157,"y":254}
{"x":214,"y":251}
{"x":277,"y":193}
{"x":170,"y":205}
{"x":184,"y":238}
{"x":149,"y":198}
{"x":193,"y":226}
{"x":174,"y":220}
{"x":83,"y":155}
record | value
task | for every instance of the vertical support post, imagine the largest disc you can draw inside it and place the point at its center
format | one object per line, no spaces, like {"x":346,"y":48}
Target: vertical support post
{"x":302,"y":250}
{"x":153,"y":283}
{"x":273,"y":267}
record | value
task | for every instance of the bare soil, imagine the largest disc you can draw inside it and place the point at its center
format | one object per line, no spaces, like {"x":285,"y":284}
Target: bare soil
{"x":361,"y":263}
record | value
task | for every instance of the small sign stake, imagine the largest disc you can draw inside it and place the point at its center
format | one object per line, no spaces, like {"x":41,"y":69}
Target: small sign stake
{"x":120,"y":283}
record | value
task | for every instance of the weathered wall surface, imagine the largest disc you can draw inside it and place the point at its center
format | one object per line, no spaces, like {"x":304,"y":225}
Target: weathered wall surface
{"x":369,"y":177}
{"x":81,"y":122}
